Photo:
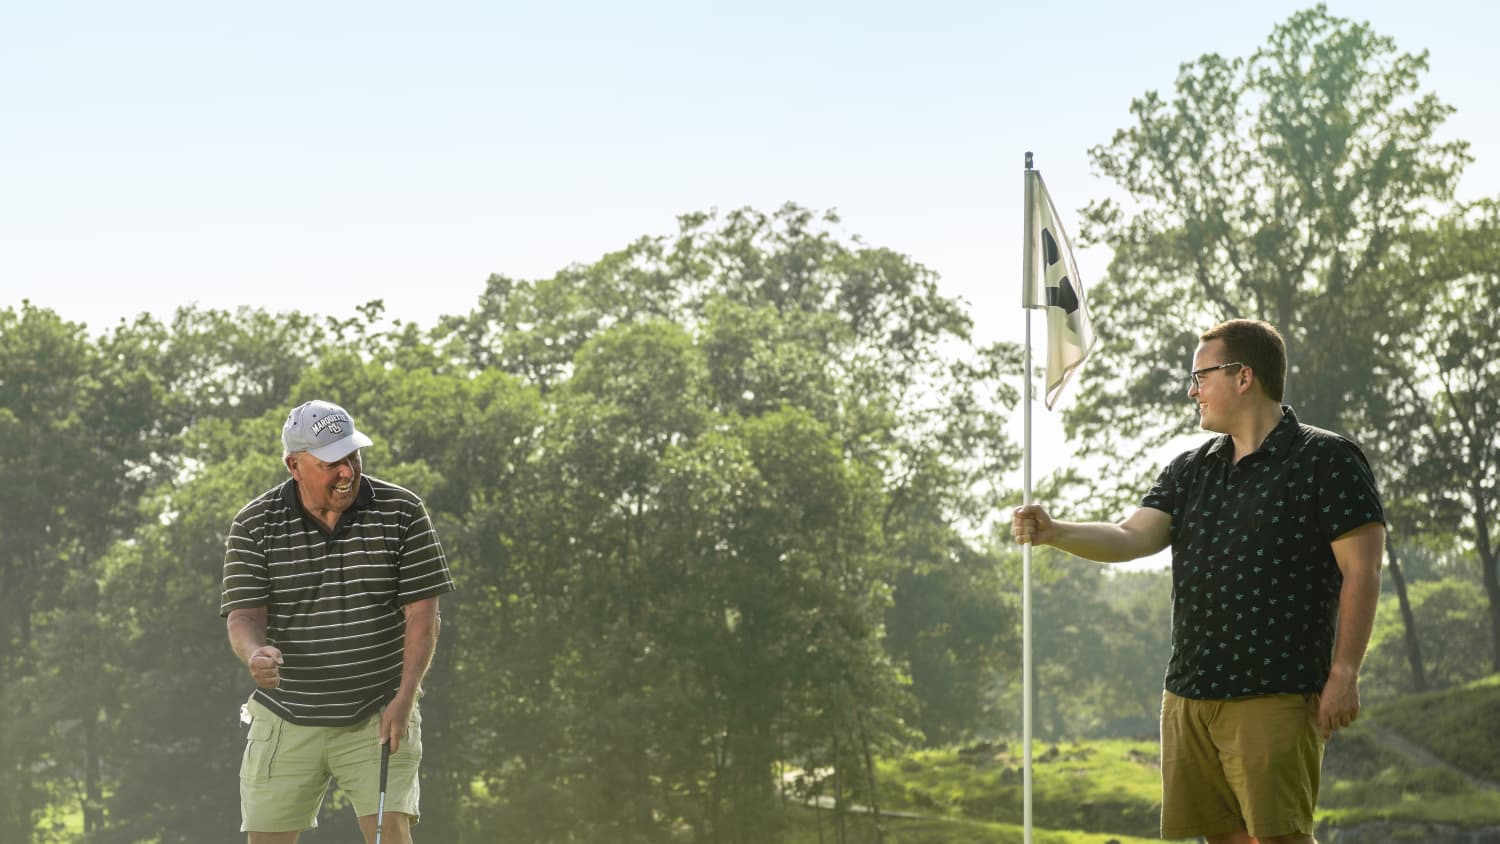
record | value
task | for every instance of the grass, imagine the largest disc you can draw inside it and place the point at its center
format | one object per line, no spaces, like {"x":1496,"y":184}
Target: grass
{"x":861,"y":830}
{"x":1111,"y":786}
{"x":1364,"y":781}
{"x":1459,"y":726}
{"x":1099,"y":791}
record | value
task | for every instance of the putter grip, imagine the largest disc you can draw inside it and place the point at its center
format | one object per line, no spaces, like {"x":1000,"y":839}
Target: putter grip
{"x":385,"y":766}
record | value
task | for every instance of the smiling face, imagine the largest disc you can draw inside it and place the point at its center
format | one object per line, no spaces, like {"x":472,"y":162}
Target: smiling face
{"x":325,"y":488}
{"x":1218,"y":392}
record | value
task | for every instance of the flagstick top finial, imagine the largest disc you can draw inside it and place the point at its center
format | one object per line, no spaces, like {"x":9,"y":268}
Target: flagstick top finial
{"x":1028,"y":161}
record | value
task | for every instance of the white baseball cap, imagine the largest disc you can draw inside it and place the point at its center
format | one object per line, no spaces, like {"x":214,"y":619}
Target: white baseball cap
{"x":322,"y":429}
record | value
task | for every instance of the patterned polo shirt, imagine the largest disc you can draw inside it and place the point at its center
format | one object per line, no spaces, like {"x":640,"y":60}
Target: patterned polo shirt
{"x":1255,"y":586}
{"x":334,"y":599}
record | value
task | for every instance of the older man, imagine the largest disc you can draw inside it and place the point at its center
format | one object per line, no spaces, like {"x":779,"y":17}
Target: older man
{"x":331,"y":585}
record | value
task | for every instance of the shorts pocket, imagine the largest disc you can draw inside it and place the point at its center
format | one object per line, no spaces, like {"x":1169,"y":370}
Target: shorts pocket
{"x":260,"y":746}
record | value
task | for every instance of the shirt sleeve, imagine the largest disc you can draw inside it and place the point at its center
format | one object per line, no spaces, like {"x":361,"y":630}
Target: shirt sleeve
{"x":1165,"y":494}
{"x":247,"y":581}
{"x":1347,"y":495}
{"x":424,"y":567}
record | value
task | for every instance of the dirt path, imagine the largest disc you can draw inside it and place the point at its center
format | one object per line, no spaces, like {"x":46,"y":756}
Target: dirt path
{"x":826,"y":803}
{"x":1422,"y":757}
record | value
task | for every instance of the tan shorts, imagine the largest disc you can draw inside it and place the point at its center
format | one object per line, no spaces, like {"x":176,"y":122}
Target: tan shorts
{"x":1248,"y":763}
{"x":286,"y":769}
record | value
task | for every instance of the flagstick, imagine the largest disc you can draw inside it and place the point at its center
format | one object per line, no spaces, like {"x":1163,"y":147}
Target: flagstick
{"x":1026,"y":610}
{"x":1027,"y":259}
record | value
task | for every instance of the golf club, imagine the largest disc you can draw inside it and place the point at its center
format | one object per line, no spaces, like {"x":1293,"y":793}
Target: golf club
{"x":385,"y":766}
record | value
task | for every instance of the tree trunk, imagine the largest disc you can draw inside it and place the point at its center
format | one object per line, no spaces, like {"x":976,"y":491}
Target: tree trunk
{"x":1408,"y":621}
{"x":838,"y":791}
{"x":26,"y":802}
{"x":93,"y":795}
{"x":716,"y":787}
{"x":874,"y":798}
{"x":1490,"y":572}
{"x":751,"y":791}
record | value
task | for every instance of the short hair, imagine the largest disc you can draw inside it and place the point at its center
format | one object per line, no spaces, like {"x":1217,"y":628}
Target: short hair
{"x":1258,"y":345}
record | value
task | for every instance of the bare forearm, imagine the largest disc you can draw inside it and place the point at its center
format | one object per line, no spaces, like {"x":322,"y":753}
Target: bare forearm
{"x":1358,"y":599}
{"x":423,"y":624}
{"x":247,"y":632}
{"x":247,"y":635}
{"x":1101,"y":541}
{"x":1143,"y":532}
{"x":1358,"y":553}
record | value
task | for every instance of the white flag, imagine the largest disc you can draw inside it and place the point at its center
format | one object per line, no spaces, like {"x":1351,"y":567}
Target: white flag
{"x":1051,"y":282}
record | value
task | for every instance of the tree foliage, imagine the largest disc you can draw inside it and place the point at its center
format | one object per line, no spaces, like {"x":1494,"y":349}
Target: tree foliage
{"x":1287,"y":186}
{"x":1307,"y":185}
{"x":1452,"y":621}
{"x":1446,"y":396}
{"x":697,"y":495}
{"x":723,"y":500}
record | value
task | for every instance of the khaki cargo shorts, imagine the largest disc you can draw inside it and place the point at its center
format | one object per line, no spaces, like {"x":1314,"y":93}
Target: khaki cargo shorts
{"x":287,"y":768}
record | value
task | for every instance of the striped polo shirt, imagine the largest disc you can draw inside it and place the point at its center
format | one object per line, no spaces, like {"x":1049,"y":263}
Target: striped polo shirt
{"x":334,"y":599}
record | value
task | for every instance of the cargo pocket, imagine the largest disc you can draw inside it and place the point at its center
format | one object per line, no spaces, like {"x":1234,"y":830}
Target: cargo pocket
{"x":260,"y":746}
{"x":414,"y":730}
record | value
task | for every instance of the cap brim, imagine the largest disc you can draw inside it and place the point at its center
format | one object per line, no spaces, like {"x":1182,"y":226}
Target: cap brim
{"x":341,"y":449}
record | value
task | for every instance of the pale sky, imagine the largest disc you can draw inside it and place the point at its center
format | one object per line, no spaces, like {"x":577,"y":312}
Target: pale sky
{"x":314,"y":156}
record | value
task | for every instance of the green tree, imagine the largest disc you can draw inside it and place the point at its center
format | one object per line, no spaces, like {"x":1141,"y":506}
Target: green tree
{"x":688,"y":491}
{"x":1444,"y":401}
{"x":175,"y":732}
{"x":1101,"y":640}
{"x":749,"y":431}
{"x":79,"y":445}
{"x":951,"y":622}
{"x":1285,"y":186}
{"x":209,"y":392}
{"x":1452,"y":620}
{"x":1306,"y":185}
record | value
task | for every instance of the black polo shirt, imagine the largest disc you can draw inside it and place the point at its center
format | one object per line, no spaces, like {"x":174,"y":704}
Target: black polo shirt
{"x":1255,"y":587}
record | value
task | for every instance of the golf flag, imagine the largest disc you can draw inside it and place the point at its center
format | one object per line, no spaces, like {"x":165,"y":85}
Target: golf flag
{"x":1051,"y":281}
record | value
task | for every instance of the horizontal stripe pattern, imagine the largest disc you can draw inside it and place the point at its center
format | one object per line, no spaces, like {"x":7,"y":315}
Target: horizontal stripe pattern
{"x":334,"y":601}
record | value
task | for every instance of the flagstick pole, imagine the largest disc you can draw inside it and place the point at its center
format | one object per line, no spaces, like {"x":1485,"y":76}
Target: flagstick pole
{"x":1027,"y":259}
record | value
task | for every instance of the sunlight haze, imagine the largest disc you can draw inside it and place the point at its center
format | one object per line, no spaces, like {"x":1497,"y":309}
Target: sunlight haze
{"x":318,"y":156}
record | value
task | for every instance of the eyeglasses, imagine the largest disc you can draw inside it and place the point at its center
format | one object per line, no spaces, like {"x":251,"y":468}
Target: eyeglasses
{"x":1195,"y":378}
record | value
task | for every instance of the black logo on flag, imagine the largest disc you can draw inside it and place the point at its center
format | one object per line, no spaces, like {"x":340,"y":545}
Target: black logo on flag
{"x":1062,"y":296}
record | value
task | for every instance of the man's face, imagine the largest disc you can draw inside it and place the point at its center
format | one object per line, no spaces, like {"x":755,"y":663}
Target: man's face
{"x":326,"y":486}
{"x":1216,"y":391}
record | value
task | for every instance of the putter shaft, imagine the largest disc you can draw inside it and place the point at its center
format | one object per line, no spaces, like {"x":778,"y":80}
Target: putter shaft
{"x":385,"y":766}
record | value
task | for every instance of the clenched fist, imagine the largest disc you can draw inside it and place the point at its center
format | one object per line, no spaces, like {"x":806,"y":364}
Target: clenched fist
{"x":1032,"y":525}
{"x":265,"y":666}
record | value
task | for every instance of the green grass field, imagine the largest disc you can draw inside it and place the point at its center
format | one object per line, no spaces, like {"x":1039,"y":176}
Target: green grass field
{"x":1461,"y":726}
{"x":941,"y":831}
{"x":1096,"y":792}
{"x":1109,"y":786}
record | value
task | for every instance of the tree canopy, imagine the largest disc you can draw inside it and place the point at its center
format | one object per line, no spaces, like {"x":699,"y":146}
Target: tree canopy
{"x":1289,"y":186}
{"x":1307,"y":185}
{"x":694,"y":495}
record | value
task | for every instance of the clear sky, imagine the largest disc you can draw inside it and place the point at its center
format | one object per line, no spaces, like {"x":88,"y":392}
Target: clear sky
{"x":314,"y":156}
{"x":317,"y":155}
